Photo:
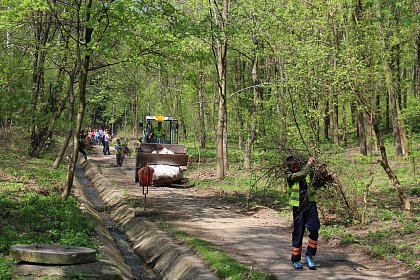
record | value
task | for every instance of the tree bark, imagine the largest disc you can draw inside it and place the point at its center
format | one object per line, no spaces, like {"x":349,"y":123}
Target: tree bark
{"x":41,"y":37}
{"x":316,"y":125}
{"x":225,"y":142}
{"x":403,"y":134}
{"x":362,"y":132}
{"x":416,"y":78}
{"x":394,"y":113}
{"x":255,"y":106}
{"x":327,"y":119}
{"x":220,"y":167}
{"x":353,"y":109}
{"x":391,"y":89}
{"x":387,"y":113}
{"x":241,"y":65}
{"x":378,"y":106}
{"x":66,"y":141}
{"x":219,"y":48}
{"x":201,"y":115}
{"x":336,"y":136}
{"x":344,"y":125}
{"x":385,"y":165}
{"x":84,"y":71}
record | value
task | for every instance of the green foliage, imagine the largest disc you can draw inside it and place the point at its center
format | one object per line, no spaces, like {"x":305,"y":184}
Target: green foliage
{"x":6,"y":266}
{"x":209,"y":152}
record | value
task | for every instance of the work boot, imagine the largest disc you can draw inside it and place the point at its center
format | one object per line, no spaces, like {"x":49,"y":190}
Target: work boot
{"x":310,"y":262}
{"x":297,"y":265}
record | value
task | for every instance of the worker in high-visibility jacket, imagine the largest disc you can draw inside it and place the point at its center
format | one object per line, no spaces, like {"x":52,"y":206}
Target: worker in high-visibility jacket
{"x":158,"y":134}
{"x":305,"y":213}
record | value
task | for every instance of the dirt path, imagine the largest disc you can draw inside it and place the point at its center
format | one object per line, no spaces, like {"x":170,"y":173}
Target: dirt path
{"x":261,"y":239}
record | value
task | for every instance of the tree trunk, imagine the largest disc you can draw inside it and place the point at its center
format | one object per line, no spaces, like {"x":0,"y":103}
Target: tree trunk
{"x":394,"y":113}
{"x":336,"y":136}
{"x":225,"y":142}
{"x":405,"y":92}
{"x":66,"y":141}
{"x":316,"y":125}
{"x":255,"y":106}
{"x":136,"y":116}
{"x":241,"y":84}
{"x":378,"y":106}
{"x":41,"y":35}
{"x":416,"y":78}
{"x":387,"y":113}
{"x":220,"y":168}
{"x":403,"y":134}
{"x":201,"y":115}
{"x":250,"y":139}
{"x":353,"y":109}
{"x":391,"y":89}
{"x":344,"y":125}
{"x":48,"y":105}
{"x":84,"y":71}
{"x":362,"y":132}
{"x":219,"y":48}
{"x":327,"y":119}
{"x":395,"y":68}
{"x":385,"y":165}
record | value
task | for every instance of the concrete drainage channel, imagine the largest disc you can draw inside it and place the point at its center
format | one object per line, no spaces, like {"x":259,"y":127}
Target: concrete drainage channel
{"x":146,"y":251}
{"x":134,"y":267}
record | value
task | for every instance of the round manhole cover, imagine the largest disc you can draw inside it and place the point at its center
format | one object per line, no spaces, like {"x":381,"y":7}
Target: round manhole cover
{"x":52,"y":254}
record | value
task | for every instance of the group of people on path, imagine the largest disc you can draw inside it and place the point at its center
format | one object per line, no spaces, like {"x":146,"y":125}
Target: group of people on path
{"x":98,"y":137}
{"x":102,"y":137}
{"x":86,"y":138}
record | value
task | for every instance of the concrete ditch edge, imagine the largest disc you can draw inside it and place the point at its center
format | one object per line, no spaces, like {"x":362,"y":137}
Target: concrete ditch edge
{"x":108,"y":250}
{"x":156,"y":248}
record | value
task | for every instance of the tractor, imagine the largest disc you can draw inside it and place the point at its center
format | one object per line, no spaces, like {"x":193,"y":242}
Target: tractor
{"x":161,"y":151}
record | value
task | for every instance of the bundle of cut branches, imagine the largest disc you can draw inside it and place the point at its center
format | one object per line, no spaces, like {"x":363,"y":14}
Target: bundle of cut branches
{"x":322,"y":176}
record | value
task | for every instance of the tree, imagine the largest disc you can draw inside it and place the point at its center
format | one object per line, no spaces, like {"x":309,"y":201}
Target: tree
{"x":84,"y":50}
{"x":219,"y":14}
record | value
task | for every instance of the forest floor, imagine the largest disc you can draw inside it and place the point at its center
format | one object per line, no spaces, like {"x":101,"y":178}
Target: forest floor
{"x":259,"y":238}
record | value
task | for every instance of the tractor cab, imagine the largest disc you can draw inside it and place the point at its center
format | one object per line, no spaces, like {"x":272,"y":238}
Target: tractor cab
{"x":160,"y":130}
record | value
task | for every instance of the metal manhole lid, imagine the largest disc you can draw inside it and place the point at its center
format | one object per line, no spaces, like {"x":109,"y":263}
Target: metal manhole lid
{"x":52,"y":254}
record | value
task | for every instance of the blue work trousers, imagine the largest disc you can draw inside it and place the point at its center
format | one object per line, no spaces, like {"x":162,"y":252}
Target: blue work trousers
{"x":305,"y":216}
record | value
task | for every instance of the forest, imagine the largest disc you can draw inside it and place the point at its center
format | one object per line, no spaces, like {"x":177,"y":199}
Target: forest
{"x":250,"y":82}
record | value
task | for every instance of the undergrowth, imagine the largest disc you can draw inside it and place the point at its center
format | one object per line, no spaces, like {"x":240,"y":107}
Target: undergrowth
{"x":32,"y":211}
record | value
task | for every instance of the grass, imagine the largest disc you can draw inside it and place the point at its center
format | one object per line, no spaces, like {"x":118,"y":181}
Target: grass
{"x":32,"y":209}
{"x":220,"y":262}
